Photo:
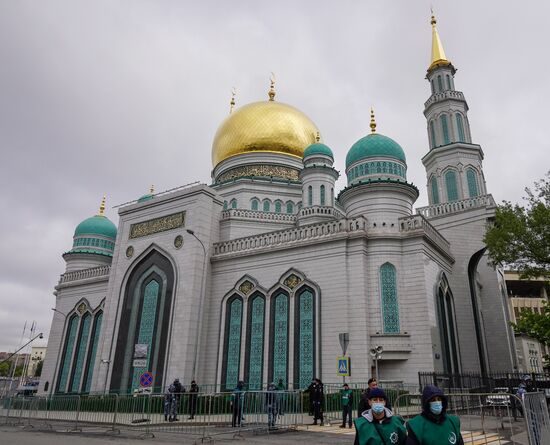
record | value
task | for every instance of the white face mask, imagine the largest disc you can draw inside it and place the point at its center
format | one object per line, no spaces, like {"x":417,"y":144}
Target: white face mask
{"x":377,"y":407}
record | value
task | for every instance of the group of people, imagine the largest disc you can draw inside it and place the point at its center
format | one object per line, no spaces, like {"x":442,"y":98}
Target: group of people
{"x":376,"y":423}
{"x":172,"y":398}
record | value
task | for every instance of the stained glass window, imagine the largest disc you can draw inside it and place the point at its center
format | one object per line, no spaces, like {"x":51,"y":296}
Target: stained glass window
{"x":390,"y":303}
{"x":289,"y":207}
{"x":68,"y":354}
{"x":256,"y":358}
{"x":322,"y":195}
{"x":233,"y":353}
{"x":310,"y":196}
{"x":278,"y":207}
{"x":233,"y":203}
{"x":81,"y":348}
{"x":471,"y":177}
{"x":93,"y":352}
{"x":435,"y":191}
{"x":306,"y":339}
{"x":267,"y":206}
{"x":147,"y":326}
{"x":450,"y":182}
{"x":445,"y":129}
{"x":254,"y":204}
{"x":432,"y":131}
{"x":460,"y":127}
{"x":280,"y":338}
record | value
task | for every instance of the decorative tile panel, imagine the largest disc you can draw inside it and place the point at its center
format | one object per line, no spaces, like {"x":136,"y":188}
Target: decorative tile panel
{"x":390,"y":303}
{"x":256,"y":362}
{"x":306,"y":343}
{"x":246,"y":287}
{"x":280,"y":339}
{"x":233,"y":352}
{"x":157,"y":225}
{"x":292,"y":281}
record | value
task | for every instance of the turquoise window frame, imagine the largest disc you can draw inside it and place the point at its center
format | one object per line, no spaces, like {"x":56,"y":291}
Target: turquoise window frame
{"x":233,"y":347}
{"x":256,"y":328}
{"x":98,"y":319}
{"x":254,"y":204}
{"x":439,"y":84}
{"x":460,"y":127}
{"x":278,"y":207}
{"x":435,"y":190}
{"x":471,"y":177}
{"x":81,"y":348}
{"x":266,"y":206}
{"x":445,"y":129}
{"x":322,"y":192}
{"x":280,"y":338}
{"x":290,"y":208}
{"x":310,"y":196}
{"x":70,"y":339}
{"x":390,"y":300}
{"x":233,"y":203}
{"x":306,"y":338}
{"x":451,"y":185}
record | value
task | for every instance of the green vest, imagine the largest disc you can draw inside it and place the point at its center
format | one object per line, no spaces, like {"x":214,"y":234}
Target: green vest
{"x":431,"y":433}
{"x":346,"y":394}
{"x":388,"y":433}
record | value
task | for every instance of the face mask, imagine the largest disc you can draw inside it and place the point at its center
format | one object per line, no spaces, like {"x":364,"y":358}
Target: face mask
{"x":378,"y":407}
{"x":436,"y":407}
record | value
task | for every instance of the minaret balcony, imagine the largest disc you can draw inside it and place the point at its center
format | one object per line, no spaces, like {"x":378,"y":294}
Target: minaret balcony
{"x":444,"y":95}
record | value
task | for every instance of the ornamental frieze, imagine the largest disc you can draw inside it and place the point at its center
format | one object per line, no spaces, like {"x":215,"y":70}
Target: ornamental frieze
{"x":157,"y":225}
{"x":276,"y":171}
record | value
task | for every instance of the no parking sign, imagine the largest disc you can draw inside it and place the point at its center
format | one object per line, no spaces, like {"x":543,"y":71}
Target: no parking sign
{"x":146,"y":379}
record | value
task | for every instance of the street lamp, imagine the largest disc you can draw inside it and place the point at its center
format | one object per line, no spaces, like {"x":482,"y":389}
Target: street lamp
{"x":203,"y":282}
{"x":58,"y":349}
{"x":376,"y":354}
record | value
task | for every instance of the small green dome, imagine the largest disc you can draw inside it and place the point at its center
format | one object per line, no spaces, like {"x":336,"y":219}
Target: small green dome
{"x":318,"y":149}
{"x":96,"y":225}
{"x":374,"y":145}
{"x":145,"y":198}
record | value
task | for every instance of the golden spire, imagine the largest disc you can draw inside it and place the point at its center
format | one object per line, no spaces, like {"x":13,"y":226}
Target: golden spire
{"x":372,"y":121}
{"x":102,"y":207}
{"x":318,"y":137}
{"x":271,"y":92}
{"x":232,"y":103}
{"x":438,"y":53}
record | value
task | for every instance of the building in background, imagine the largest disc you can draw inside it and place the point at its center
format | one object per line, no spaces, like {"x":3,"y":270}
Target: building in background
{"x":255,"y":276}
{"x":527,"y":295}
{"x":38,"y":353}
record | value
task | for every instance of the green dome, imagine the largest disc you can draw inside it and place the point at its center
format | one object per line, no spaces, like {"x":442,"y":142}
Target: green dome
{"x":145,"y":198}
{"x":96,"y":225}
{"x":318,"y":149}
{"x":372,"y":146}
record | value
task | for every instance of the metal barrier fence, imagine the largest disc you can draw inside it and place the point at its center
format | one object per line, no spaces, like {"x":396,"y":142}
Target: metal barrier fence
{"x":199,"y":415}
{"x":488,"y":418}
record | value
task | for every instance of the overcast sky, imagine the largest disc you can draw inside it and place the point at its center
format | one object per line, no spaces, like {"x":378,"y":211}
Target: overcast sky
{"x":108,"y":97}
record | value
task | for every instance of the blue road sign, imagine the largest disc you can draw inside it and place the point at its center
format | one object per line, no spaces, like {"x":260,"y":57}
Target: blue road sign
{"x":343,"y":366}
{"x":146,"y":379}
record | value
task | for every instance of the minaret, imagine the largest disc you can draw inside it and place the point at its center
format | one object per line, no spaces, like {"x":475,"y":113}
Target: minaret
{"x":454,"y":163}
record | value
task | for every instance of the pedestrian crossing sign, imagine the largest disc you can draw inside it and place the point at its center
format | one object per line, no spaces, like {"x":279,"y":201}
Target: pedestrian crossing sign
{"x":343,"y":366}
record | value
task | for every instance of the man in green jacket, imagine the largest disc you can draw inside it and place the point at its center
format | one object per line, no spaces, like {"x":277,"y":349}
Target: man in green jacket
{"x":434,"y":426}
{"x":346,"y":397}
{"x":378,"y":425}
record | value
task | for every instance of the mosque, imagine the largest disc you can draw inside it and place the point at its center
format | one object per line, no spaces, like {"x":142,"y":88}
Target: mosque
{"x":256,"y":276}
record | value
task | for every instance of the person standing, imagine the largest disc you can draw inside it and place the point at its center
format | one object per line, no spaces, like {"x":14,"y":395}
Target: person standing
{"x":363,"y":401}
{"x":378,"y":425}
{"x":318,"y":395}
{"x":346,"y":397}
{"x":178,"y":391}
{"x":309,"y":390}
{"x":434,"y":426}
{"x":169,"y":402}
{"x":237,"y":404}
{"x":193,"y":396}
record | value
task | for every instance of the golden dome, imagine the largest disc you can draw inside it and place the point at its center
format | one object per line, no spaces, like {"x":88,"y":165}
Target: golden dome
{"x":266,"y":127}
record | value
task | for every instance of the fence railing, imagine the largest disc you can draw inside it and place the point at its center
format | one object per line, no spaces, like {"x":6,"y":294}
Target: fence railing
{"x":198,"y":414}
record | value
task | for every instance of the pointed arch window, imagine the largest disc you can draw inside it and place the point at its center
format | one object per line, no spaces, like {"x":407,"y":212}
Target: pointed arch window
{"x":448,"y":81}
{"x":460,"y":127}
{"x":310,"y":196}
{"x":267,"y":205}
{"x":450,"y":182}
{"x":255,"y":342}
{"x":233,"y":203}
{"x":433,"y":86}
{"x":305,"y":338}
{"x":332,"y":196}
{"x":98,"y":318}
{"x":435,"y":190}
{"x":254,"y":204}
{"x":471,"y":177}
{"x":81,"y":347}
{"x":225,"y":205}
{"x":390,"y":303}
{"x":232,"y":355}
{"x":439,"y":84}
{"x":279,"y":338}
{"x":289,"y":207}
{"x":278,"y":206}
{"x":447,"y":327}
{"x":323,"y":195}
{"x":66,"y":359}
{"x":445,"y":129}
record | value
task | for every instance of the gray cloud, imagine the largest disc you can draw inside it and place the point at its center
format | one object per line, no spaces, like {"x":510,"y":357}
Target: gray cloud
{"x":109,"y":97}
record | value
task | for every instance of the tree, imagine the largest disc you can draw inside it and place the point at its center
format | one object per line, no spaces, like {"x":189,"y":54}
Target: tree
{"x":38,"y":369}
{"x":535,"y":325}
{"x":5,"y":369}
{"x":520,"y":236}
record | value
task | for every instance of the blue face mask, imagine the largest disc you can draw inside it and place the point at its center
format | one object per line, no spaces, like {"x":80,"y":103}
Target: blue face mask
{"x":436,"y":407}
{"x":377,"y":407}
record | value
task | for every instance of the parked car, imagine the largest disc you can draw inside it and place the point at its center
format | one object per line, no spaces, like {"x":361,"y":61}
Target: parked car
{"x":501,"y":397}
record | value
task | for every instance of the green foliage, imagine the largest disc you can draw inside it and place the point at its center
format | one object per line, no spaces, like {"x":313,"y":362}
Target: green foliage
{"x":38,"y":369}
{"x":535,"y":325}
{"x":520,"y":237}
{"x":5,"y":369}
